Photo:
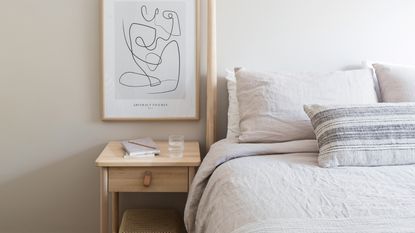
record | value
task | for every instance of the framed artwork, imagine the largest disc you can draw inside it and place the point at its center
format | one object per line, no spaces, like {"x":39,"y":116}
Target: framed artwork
{"x":150,"y":59}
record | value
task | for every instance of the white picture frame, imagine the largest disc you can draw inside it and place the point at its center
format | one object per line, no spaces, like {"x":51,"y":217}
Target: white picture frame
{"x":150,"y":59}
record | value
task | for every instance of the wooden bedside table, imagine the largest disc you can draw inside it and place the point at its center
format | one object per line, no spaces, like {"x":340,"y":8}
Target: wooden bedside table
{"x":155,"y":174}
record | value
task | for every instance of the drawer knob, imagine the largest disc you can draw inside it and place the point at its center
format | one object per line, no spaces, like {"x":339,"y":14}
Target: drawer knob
{"x":147,"y":179}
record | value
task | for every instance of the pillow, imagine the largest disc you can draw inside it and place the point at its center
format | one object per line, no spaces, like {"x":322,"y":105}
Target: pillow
{"x":397,"y":82}
{"x":233,"y":108}
{"x":271,"y":104}
{"x":364,"y":135}
{"x":369,"y":65}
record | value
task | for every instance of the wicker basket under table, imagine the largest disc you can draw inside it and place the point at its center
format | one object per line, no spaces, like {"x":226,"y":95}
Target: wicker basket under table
{"x":151,"y":221}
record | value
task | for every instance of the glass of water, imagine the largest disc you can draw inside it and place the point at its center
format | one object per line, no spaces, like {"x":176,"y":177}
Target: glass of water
{"x":176,"y":146}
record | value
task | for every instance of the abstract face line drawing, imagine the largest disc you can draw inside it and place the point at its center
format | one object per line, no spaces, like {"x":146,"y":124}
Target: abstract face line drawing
{"x":167,"y":14}
{"x":155,"y":50}
{"x":150,"y":59}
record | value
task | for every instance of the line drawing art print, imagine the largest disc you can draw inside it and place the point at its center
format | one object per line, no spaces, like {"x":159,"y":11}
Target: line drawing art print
{"x":150,"y":59}
{"x":150,"y":49}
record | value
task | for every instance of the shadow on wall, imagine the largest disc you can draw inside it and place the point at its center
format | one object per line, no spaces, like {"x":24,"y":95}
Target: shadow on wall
{"x":60,"y":197}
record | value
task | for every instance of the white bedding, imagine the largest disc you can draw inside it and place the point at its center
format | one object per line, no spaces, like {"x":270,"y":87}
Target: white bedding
{"x":237,"y":190}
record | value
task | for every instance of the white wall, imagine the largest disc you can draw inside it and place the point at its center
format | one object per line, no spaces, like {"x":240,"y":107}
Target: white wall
{"x":50,"y":127}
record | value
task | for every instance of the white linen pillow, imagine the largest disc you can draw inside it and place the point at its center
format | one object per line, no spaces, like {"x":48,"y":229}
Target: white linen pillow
{"x":364,"y":135}
{"x":396,"y":82}
{"x":271,"y":104}
{"x":369,"y":65}
{"x":233,"y":108}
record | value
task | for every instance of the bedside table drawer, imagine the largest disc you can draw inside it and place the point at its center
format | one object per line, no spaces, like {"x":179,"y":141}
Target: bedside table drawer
{"x":148,"y":179}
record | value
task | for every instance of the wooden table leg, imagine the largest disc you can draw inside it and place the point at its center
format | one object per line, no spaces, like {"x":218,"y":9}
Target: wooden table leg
{"x":192,"y":172}
{"x":104,"y":200}
{"x":115,"y":212}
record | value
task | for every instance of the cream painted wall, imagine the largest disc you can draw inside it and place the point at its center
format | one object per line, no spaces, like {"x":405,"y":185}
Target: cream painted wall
{"x":50,"y":127}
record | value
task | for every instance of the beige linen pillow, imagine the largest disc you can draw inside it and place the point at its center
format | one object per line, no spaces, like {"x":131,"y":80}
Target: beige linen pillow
{"x":271,"y":104}
{"x":397,"y":82}
{"x":233,"y":108}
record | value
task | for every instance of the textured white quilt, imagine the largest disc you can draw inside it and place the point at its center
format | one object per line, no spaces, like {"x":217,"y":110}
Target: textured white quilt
{"x":244,"y":188}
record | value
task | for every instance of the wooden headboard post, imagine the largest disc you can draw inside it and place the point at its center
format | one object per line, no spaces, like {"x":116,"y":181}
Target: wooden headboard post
{"x":211,"y":79}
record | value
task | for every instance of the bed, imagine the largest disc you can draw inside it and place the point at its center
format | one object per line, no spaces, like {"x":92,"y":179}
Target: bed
{"x":280,"y":186}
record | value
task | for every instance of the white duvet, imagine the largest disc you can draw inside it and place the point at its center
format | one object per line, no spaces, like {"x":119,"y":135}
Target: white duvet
{"x":279,"y":187}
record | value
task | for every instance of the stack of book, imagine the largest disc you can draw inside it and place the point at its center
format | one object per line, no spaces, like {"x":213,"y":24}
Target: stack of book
{"x":140,"y":148}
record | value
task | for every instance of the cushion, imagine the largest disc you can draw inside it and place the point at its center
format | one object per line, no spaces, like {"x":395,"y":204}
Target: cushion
{"x":233,"y":108}
{"x":396,"y":82}
{"x":364,"y":135}
{"x":271,"y":104}
{"x":369,"y":65}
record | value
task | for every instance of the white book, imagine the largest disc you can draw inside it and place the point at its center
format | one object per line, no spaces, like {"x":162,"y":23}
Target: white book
{"x":127,"y":156}
{"x":142,"y":147}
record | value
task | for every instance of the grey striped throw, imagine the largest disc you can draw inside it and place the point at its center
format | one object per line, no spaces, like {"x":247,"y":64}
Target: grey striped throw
{"x":364,"y":135}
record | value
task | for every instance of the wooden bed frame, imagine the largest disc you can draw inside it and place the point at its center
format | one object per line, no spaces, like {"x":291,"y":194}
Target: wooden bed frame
{"x":211,"y":79}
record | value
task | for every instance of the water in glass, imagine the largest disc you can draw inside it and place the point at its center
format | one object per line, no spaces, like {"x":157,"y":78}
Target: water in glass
{"x":176,"y":146}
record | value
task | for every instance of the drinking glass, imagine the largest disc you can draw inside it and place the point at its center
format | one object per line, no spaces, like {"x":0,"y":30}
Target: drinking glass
{"x":176,"y":146}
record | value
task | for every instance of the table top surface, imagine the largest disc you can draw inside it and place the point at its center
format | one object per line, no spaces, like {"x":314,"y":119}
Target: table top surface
{"x":113,"y":153}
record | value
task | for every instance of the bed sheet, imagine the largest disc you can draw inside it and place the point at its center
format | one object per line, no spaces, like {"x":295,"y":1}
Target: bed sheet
{"x":280,"y":187}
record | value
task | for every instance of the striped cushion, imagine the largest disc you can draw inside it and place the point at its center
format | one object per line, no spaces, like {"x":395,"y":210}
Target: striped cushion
{"x":364,"y":135}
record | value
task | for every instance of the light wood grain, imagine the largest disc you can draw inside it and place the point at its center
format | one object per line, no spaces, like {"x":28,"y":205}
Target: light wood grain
{"x":164,"y":179}
{"x":147,"y":178}
{"x":198,"y":45}
{"x":115,"y":212}
{"x":112,"y":156}
{"x":192,"y":172}
{"x":101,"y":56}
{"x":104,"y":200}
{"x":127,"y":175}
{"x":211,"y":84}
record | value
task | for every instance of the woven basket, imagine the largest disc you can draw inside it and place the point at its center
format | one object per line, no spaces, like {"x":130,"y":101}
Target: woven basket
{"x":151,"y":221}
